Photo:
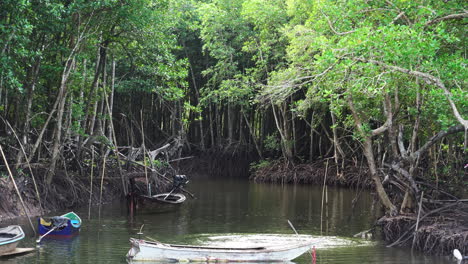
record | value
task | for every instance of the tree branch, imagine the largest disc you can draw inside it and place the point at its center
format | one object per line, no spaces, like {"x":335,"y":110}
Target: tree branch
{"x":333,"y":29}
{"x":448,"y":17}
{"x":389,"y":121}
{"x":435,"y":138}
{"x":428,"y":78}
{"x":401,"y":13}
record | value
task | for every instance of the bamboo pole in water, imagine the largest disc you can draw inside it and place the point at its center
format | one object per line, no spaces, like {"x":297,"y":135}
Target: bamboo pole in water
{"x":102,"y":179}
{"x":91,"y":183}
{"x":323,"y":193}
{"x":17,"y":190}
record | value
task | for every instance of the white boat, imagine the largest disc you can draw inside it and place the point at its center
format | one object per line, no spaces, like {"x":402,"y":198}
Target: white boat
{"x":162,"y":198}
{"x":143,"y":250}
{"x":10,"y":236}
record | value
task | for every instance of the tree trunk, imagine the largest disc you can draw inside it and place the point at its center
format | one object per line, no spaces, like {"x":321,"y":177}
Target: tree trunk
{"x":94,"y":86}
{"x":252,"y":134}
{"x":31,"y":88}
{"x":81,"y":102}
{"x":102,"y":109}
{"x":197,"y":95}
{"x":58,"y":127}
{"x":212,"y":136}
{"x":230,"y":123}
{"x":285,"y":144}
{"x":311,"y":150}
{"x":369,"y":154}
{"x":111,"y":103}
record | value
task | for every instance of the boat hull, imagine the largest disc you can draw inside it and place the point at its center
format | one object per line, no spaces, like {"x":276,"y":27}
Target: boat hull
{"x":162,"y":198}
{"x":70,"y":228}
{"x":151,"y":251}
{"x":8,"y":248}
{"x":9,"y":238}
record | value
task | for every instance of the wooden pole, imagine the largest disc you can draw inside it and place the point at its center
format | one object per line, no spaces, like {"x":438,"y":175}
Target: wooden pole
{"x":102,"y":178}
{"x":116,"y":149}
{"x":17,"y":190}
{"x":144,"y":153}
{"x":29,"y":165}
{"x":91,"y":182}
{"x":417,"y":221}
{"x":323,"y":193}
{"x":294,"y":229}
{"x":102,"y":183}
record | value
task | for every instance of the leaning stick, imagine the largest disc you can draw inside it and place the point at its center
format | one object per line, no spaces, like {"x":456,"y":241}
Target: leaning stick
{"x":17,"y":190}
{"x":91,"y":183}
{"x":310,"y":252}
{"x":144,"y":154}
{"x":102,"y":179}
{"x":116,"y":148}
{"x":417,"y":220}
{"x":323,"y":193}
{"x":29,"y":165}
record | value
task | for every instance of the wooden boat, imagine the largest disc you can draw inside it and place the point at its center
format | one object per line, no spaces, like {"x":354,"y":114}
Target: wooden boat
{"x":65,"y":225}
{"x":163,"y":198}
{"x":9,"y":238}
{"x":143,"y":250}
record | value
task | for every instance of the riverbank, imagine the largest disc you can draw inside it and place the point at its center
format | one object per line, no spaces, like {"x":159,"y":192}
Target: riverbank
{"x":436,"y":235}
{"x":442,"y":227}
{"x":318,"y":172}
{"x":68,"y":190}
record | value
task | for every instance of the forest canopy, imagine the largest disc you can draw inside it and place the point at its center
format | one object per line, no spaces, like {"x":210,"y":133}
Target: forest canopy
{"x":292,"y":80}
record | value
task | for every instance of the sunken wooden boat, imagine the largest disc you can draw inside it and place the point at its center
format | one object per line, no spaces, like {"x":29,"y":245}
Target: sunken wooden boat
{"x":10,"y":236}
{"x":142,"y":250}
{"x":163,"y":198}
{"x":60,"y":226}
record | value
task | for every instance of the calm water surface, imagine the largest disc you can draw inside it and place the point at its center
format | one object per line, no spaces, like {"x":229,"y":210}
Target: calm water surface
{"x":230,"y":207}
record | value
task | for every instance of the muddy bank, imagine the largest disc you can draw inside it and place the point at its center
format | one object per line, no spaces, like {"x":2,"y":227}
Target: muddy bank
{"x":438,"y":234}
{"x":70,"y":190}
{"x":277,"y":171}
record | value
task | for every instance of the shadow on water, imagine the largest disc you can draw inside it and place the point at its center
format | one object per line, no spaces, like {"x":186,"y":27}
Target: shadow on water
{"x":231,"y":207}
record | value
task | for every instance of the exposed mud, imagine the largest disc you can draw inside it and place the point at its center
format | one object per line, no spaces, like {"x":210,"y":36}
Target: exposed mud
{"x":436,"y":235}
{"x":347,"y":174}
{"x":70,"y":190}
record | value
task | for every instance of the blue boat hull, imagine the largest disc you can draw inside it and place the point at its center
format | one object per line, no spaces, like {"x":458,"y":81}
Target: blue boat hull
{"x":68,"y":230}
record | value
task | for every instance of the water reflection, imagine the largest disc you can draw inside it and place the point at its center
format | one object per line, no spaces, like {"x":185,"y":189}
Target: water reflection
{"x":49,"y":247}
{"x":230,"y":206}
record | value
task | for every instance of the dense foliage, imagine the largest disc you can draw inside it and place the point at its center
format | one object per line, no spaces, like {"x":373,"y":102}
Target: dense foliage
{"x":383,"y":81}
